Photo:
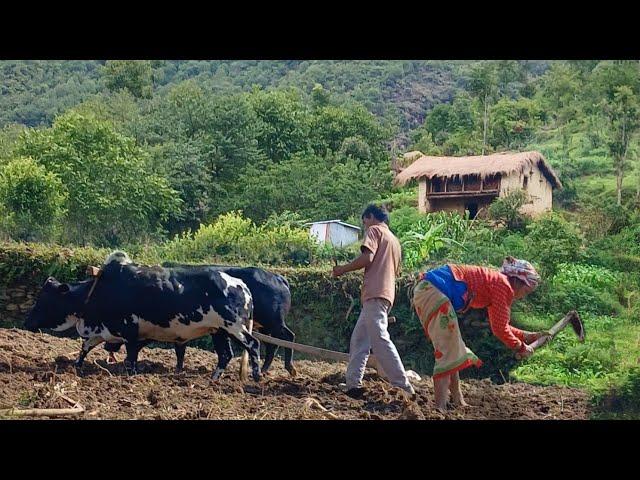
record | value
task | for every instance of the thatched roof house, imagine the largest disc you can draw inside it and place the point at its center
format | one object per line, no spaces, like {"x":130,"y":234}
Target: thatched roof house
{"x":472,"y":183}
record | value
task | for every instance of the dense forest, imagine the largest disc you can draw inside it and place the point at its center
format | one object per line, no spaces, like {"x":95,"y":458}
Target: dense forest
{"x":204,"y":160}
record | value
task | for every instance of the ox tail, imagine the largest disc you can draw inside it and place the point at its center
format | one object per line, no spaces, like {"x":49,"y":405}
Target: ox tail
{"x":244,"y":363}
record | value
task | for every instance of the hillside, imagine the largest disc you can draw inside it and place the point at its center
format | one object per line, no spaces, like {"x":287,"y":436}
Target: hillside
{"x":33,"y":92}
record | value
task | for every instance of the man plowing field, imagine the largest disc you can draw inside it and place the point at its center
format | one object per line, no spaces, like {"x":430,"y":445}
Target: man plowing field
{"x":444,"y":292}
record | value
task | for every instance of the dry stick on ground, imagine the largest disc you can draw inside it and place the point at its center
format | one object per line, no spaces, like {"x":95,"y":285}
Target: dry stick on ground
{"x":101,"y":367}
{"x":77,"y":409}
{"x":312,"y":403}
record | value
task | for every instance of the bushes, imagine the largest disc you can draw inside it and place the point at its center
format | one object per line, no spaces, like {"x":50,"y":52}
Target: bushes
{"x":34,"y":262}
{"x":238,"y":239}
{"x":552,"y":240}
{"x":589,"y":289}
{"x":32,"y":200}
{"x":588,"y":275}
{"x":507,"y":210}
{"x":621,"y":401}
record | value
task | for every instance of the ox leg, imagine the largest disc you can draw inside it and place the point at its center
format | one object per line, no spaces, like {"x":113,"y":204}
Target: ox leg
{"x":252,"y":346}
{"x":112,"y":348}
{"x":222,"y":347}
{"x":289,"y":336}
{"x":270,"y":352}
{"x":88,"y":344}
{"x":131,"y":362}
{"x":180,"y":349}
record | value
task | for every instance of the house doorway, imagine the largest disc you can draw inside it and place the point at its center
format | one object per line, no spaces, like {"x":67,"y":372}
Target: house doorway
{"x":472,"y":208}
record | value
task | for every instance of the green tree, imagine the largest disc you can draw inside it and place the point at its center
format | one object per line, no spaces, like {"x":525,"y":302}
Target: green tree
{"x":133,"y":75}
{"x":322,"y":188}
{"x":514,"y":122}
{"x":113,"y":197}
{"x":319,"y":96}
{"x":332,"y":125}
{"x":284,"y":122}
{"x":619,"y":85}
{"x":559,"y":92}
{"x":483,"y":84}
{"x":32,"y":200}
{"x":510,"y":74}
{"x":9,"y":135}
{"x":452,"y":128}
{"x":119,"y":108}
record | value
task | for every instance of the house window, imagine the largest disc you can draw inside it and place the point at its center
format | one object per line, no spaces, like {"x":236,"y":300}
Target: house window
{"x":491,"y":183}
{"x":454,"y":185}
{"x":472,"y":183}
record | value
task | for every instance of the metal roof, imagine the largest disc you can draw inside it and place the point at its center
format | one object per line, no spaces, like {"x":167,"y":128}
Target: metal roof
{"x":335,"y":221}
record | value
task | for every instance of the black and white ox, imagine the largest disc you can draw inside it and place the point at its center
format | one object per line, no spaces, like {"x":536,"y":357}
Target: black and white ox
{"x":271,"y":304}
{"x":136,"y":305}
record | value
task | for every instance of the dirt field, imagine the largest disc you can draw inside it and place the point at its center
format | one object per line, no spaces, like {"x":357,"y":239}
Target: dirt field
{"x":36,"y":368}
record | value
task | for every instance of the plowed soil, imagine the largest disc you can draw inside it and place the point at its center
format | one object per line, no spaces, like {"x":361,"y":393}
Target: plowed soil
{"x":36,"y":371}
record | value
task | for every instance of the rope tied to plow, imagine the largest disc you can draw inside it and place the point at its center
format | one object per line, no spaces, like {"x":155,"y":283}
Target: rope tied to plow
{"x":94,"y":272}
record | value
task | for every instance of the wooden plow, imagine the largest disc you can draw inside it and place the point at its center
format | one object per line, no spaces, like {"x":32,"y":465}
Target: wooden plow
{"x":329,"y":354}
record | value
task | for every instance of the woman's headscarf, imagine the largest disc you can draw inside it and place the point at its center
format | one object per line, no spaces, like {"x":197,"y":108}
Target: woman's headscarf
{"x":522,"y":270}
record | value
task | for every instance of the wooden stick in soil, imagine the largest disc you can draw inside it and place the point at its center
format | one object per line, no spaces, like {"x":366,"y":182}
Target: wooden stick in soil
{"x":77,"y":409}
{"x":102,"y":368}
{"x":312,"y":403}
{"x":244,"y":363}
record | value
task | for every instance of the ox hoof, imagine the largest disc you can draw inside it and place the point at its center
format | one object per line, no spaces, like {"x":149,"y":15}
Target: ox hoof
{"x":256,"y":376}
{"x":79,"y":371}
{"x":292,"y":370}
{"x":215,"y":376}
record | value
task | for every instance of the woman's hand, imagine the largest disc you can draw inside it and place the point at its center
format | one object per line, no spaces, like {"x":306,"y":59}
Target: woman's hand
{"x":530,"y":337}
{"x":525,"y":351}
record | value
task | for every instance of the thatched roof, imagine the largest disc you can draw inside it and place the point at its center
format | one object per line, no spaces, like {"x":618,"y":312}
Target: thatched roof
{"x":481,"y":165}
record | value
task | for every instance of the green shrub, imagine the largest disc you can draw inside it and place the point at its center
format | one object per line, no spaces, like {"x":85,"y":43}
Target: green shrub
{"x":32,"y":200}
{"x":275,"y":245}
{"x":236,"y":238}
{"x":402,"y":199}
{"x":622,"y":400}
{"x":552,"y":240}
{"x":507,"y":210}
{"x":576,"y":274}
{"x":585,"y":288}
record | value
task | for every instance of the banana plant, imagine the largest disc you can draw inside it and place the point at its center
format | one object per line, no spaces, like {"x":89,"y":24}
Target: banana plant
{"x":419,"y":246}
